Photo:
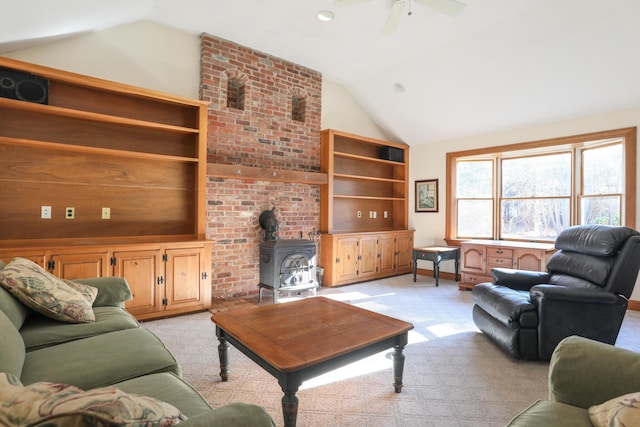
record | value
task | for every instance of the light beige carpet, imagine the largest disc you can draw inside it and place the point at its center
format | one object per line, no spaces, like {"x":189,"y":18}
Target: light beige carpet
{"x":454,"y":376}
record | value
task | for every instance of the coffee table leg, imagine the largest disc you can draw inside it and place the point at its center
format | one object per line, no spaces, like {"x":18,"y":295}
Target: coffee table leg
{"x":398,"y":367}
{"x":290,"y":383}
{"x":223,"y":354}
{"x":290,"y":408}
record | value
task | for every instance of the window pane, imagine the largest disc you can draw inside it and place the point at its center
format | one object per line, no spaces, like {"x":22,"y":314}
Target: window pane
{"x":538,"y":219}
{"x":475,"y":179}
{"x":600,"y":210}
{"x":475,"y":218}
{"x":539,"y":176}
{"x":603,"y":170}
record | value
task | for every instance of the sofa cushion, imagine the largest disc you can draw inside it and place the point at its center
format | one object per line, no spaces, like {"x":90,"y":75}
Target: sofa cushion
{"x":51,"y":405}
{"x":547,"y":413}
{"x":617,"y":412}
{"x":45,"y":293}
{"x":574,"y":380}
{"x":12,"y":352}
{"x":40,"y":331}
{"x":101,"y":360}
{"x":12,"y":308}
{"x":111,"y":290}
{"x":169,"y":388}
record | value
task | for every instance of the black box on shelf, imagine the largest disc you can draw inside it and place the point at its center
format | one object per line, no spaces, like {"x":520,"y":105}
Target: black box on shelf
{"x":392,"y":153}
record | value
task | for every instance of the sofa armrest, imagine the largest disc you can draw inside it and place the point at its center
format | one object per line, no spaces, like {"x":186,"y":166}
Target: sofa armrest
{"x":234,"y":414}
{"x":520,"y":280}
{"x":584,"y":372}
{"x":112,"y":291}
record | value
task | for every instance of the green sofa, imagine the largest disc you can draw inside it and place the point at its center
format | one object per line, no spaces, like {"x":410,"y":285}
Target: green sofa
{"x":112,"y":351}
{"x":584,"y":373}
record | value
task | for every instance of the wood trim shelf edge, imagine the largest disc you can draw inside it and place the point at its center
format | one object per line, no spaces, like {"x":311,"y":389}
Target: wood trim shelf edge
{"x":265,"y":174}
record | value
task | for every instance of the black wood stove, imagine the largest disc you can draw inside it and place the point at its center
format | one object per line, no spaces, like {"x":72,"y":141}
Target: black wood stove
{"x":287,"y":265}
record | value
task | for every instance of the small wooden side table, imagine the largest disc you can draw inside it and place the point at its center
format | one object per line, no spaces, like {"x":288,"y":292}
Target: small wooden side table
{"x":436,"y":254}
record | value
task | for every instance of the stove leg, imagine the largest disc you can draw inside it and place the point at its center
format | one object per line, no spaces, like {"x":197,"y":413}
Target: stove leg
{"x":260,"y":294}
{"x":275,"y":295}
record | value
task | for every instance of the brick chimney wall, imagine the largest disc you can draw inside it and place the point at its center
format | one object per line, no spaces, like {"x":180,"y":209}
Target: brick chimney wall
{"x":266,"y":133}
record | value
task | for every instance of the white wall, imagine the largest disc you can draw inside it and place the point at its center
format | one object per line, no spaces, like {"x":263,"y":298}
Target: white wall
{"x":158,"y":57}
{"x":341,"y":112}
{"x":429,"y":162}
{"x":143,"y":54}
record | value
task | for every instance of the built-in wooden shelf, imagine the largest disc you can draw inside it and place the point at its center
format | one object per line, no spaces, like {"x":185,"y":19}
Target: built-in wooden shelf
{"x":265,"y":174}
{"x":93,"y":144}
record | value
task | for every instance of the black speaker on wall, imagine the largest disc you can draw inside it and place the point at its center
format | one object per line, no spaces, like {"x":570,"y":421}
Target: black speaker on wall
{"x":392,"y":153}
{"x":23,"y":86}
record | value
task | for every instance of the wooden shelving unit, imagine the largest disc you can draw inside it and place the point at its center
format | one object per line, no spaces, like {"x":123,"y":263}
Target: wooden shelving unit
{"x":97,"y":144}
{"x":360,"y":180}
{"x":366,"y":199}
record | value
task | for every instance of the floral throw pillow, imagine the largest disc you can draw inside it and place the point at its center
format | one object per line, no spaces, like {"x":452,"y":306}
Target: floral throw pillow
{"x":621,"y":411}
{"x":47,"y":294}
{"x":58,"y":405}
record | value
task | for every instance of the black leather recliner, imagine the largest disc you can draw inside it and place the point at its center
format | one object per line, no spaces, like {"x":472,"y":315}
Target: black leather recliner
{"x":584,"y":292}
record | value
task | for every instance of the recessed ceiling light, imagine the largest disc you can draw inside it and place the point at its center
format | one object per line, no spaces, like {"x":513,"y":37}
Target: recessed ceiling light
{"x":325,"y":15}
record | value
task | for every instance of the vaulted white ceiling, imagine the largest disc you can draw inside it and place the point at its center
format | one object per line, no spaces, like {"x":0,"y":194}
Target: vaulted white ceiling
{"x":498,"y":65}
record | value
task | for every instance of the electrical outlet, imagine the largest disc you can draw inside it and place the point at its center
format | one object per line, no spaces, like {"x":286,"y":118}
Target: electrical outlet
{"x":70,"y":213}
{"x":106,"y":213}
{"x":45,"y":212}
{"x":359,"y":214}
{"x":370,"y":214}
{"x":385,"y":214}
{"x":375,"y":214}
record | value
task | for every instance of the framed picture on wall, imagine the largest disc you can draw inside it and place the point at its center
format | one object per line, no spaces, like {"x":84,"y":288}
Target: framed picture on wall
{"x":427,"y":195}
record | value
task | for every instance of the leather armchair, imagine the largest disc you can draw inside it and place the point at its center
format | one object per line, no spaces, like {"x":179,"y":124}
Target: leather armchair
{"x":585,"y":291}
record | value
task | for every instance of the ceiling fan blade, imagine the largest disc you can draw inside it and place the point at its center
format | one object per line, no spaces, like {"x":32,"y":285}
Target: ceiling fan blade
{"x":448,"y":7}
{"x":394,"y":16}
{"x":347,"y":2}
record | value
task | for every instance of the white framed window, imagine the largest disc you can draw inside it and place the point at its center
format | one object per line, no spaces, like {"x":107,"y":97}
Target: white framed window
{"x":532,"y":191}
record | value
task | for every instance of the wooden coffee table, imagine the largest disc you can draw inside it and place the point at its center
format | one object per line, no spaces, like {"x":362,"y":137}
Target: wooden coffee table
{"x":299,"y":340}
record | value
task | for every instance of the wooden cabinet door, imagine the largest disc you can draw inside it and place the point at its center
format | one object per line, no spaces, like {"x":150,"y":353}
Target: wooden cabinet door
{"x":530,"y":259}
{"x":184,"y":281}
{"x":473,"y":257}
{"x":35,"y":255}
{"x":387,"y":250}
{"x":404,"y":252}
{"x":80,"y":265}
{"x":347,"y":259}
{"x":368,"y":257}
{"x":144,"y":271}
